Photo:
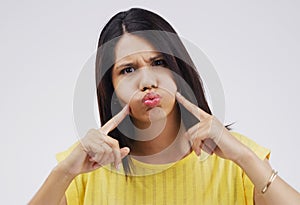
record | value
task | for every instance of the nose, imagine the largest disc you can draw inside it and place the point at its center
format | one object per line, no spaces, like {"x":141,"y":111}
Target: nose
{"x":148,"y":79}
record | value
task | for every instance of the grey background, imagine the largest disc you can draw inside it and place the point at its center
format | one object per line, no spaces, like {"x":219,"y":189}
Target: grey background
{"x":254,"y":46}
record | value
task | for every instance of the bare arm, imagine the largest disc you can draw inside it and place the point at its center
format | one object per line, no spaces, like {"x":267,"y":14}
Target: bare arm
{"x":102,"y":150}
{"x":53,"y":189}
{"x":259,"y":172}
{"x":63,"y":201}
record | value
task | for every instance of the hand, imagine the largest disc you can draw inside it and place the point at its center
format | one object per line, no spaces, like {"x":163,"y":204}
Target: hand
{"x":97,"y":148}
{"x":210,"y":134}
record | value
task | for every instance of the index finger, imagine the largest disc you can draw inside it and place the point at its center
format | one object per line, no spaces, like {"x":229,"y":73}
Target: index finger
{"x":115,"y":121}
{"x":195,"y":110}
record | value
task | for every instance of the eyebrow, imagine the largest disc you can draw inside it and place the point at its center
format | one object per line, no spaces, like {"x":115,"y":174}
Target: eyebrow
{"x":131,"y":64}
{"x":157,"y":56}
{"x":124,"y":65}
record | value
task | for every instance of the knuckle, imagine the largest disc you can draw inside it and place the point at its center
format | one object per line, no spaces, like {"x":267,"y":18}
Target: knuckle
{"x":115,"y":143}
{"x":109,"y":150}
{"x":86,"y":145}
{"x":101,"y":151}
{"x":210,"y":118}
{"x":92,"y":132}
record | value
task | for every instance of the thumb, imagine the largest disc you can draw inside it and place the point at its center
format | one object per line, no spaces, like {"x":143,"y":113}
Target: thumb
{"x":124,"y":152}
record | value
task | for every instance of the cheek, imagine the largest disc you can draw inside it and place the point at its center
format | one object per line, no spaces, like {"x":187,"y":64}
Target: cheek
{"x":169,"y":88}
{"x":127,"y":95}
{"x":167,"y":83}
{"x":125,"y":90}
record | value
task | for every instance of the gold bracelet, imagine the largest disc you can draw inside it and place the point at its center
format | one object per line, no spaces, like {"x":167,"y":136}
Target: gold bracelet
{"x":271,"y":179}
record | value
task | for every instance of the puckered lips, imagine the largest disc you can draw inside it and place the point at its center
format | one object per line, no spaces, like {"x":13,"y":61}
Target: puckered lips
{"x":151,"y":99}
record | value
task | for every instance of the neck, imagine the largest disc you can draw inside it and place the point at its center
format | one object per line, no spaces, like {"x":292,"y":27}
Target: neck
{"x":165,"y":142}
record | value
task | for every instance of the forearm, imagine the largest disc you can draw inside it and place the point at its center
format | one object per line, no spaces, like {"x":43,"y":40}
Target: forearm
{"x":53,"y":189}
{"x":259,"y":172}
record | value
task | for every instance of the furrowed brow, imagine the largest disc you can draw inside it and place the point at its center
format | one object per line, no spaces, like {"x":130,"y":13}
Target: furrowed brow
{"x":123,"y":65}
{"x":156,"y":57}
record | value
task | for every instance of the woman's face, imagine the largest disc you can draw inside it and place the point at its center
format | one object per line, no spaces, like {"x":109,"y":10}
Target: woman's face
{"x":141,"y":79}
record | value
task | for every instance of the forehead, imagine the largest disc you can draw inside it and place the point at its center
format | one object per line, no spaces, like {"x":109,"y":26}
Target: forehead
{"x":130,"y":45}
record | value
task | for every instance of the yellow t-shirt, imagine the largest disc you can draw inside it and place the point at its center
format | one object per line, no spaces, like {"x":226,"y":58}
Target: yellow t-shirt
{"x":187,"y":182}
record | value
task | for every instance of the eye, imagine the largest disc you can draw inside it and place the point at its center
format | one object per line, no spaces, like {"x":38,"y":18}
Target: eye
{"x":159,"y":62}
{"x":127,"y":70}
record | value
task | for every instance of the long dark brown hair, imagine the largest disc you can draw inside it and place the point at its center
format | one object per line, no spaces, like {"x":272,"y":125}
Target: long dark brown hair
{"x":176,"y":56}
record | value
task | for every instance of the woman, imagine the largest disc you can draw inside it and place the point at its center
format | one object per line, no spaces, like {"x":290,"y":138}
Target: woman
{"x":145,"y":75}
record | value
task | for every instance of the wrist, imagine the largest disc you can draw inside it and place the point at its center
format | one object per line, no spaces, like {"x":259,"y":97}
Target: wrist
{"x":255,"y":168}
{"x":63,"y":169}
{"x":245,"y":157}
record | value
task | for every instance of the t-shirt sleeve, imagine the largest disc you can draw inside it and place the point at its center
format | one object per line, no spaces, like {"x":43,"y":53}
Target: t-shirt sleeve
{"x":75,"y":192}
{"x":262,"y":153}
